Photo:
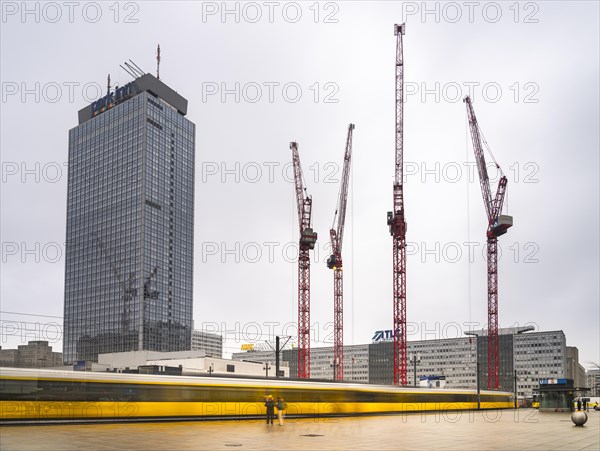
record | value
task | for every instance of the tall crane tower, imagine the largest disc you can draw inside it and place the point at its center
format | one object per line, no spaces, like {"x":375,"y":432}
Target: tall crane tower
{"x":497,"y":225}
{"x":308,"y":238}
{"x":397,"y":223}
{"x":335,"y":262}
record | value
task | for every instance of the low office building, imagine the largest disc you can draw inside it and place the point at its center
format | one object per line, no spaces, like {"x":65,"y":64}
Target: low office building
{"x":35,"y":354}
{"x":592,"y":381}
{"x":528,"y":356}
{"x":356,"y":362}
{"x":539,"y":355}
{"x":124,"y":361}
{"x":211,"y":344}
{"x":9,"y":358}
{"x":265,"y":358}
{"x":452,"y":358}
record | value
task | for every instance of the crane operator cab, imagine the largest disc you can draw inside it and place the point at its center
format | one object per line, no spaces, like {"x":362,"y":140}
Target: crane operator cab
{"x":333,"y":262}
{"x":502,"y":224}
{"x":308,"y":238}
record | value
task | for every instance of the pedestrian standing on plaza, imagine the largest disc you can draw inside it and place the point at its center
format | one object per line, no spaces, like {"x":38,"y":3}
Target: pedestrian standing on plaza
{"x":270,"y":405}
{"x":281,"y":406}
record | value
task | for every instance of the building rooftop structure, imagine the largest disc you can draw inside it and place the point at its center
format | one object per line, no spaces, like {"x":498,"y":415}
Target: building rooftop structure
{"x":145,"y":83}
{"x":190,"y":363}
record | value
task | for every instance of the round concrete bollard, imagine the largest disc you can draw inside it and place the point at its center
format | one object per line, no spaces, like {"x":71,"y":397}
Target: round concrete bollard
{"x":579,"y":418}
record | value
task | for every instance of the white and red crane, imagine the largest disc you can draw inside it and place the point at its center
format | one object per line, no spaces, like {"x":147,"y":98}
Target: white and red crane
{"x":335,"y":262}
{"x":497,"y":225}
{"x":397,"y":223}
{"x":308,"y":238}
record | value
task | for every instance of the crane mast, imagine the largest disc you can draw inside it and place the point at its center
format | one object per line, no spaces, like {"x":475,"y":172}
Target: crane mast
{"x":335,"y":262}
{"x":497,"y":225}
{"x":397,"y":223}
{"x":308,"y":238}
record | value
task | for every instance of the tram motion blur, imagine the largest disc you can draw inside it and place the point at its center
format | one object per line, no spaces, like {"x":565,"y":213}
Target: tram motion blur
{"x":32,"y":395}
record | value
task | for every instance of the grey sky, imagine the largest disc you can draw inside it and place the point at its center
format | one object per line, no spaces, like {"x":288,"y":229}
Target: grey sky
{"x":534,"y":77}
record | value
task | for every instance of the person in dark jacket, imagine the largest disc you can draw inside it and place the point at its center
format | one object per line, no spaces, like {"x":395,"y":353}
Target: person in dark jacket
{"x":270,"y":405}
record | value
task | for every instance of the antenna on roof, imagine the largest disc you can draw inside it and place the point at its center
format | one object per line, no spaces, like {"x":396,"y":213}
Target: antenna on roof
{"x":132,"y":69}
{"x":108,"y":85}
{"x":158,"y":62}
{"x":141,"y":72}
{"x":136,"y":71}
{"x":131,"y":74}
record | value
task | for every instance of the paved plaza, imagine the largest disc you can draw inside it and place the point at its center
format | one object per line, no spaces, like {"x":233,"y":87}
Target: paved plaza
{"x":524,"y":429}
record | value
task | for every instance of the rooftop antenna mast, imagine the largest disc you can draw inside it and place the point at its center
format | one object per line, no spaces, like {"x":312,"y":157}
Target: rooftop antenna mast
{"x":158,"y":62}
{"x":108,"y":85}
{"x":135,"y":68}
{"x":131,"y":68}
{"x":129,"y":71}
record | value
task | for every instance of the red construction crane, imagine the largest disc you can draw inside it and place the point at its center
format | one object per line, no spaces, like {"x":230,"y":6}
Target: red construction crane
{"x":308,"y":238}
{"x":497,"y":225}
{"x":397,"y":224}
{"x":335,"y":262}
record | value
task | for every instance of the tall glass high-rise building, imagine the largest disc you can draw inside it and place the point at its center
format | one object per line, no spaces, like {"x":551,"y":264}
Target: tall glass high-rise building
{"x":130,"y":224}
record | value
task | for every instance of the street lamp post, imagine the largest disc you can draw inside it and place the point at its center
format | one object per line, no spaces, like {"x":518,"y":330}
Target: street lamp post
{"x":515,"y":371}
{"x":477,"y":368}
{"x":414,"y":359}
{"x":519,"y":331}
{"x":478,"y":384}
{"x":278,"y":348}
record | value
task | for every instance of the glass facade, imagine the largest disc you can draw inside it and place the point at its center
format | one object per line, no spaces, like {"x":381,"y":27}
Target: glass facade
{"x":129,"y":244}
{"x":381,"y":362}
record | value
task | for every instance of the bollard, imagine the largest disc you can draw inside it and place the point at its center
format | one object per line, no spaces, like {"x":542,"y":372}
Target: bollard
{"x":579,"y":418}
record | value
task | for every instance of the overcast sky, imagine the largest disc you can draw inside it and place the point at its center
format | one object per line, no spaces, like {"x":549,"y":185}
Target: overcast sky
{"x":260,"y":75}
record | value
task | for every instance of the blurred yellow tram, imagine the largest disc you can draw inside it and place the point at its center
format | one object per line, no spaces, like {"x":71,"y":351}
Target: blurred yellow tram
{"x":37,"y":395}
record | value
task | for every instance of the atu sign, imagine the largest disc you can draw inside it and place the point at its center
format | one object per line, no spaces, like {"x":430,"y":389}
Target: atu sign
{"x":383,"y":335}
{"x":112,"y":99}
